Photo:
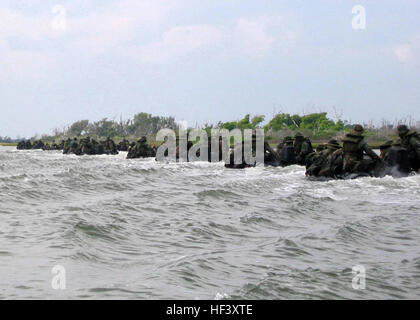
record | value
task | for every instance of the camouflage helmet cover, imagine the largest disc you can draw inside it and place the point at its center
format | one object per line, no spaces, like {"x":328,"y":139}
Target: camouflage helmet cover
{"x":402,"y":128}
{"x":358,"y":128}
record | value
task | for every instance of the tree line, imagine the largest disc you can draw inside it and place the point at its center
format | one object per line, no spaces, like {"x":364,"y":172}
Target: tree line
{"x":317,"y":126}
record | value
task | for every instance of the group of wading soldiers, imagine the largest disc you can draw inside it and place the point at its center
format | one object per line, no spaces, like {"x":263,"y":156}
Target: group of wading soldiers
{"x":330,"y":160}
{"x":89,"y":146}
{"x":355,"y":157}
{"x":27,"y":145}
{"x":351,"y":159}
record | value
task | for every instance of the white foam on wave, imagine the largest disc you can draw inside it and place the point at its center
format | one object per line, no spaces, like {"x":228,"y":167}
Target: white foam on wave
{"x":321,"y":193}
{"x":221,"y":296}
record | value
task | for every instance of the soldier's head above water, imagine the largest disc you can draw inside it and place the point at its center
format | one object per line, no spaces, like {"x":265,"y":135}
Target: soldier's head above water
{"x":299,"y":136}
{"x":402,"y":129}
{"x":358,"y":130}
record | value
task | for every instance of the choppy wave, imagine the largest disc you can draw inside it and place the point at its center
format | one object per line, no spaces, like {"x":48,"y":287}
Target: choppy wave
{"x":139,"y":229}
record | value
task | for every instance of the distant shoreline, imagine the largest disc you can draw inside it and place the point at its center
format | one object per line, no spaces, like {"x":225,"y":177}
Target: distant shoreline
{"x":6,"y":144}
{"x":374,"y":145}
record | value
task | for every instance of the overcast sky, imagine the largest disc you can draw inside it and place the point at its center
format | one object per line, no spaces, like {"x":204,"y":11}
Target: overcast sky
{"x":204,"y":60}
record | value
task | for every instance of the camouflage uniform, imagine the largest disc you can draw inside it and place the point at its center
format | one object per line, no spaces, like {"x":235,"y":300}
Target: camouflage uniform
{"x":124,"y":145}
{"x":333,"y":165}
{"x":287,"y":153}
{"x":320,"y":159}
{"x":281,"y":144}
{"x":297,"y":144}
{"x":321,"y":146}
{"x":109,"y":146}
{"x":140,"y":150}
{"x":74,"y":147}
{"x":384,"y":148}
{"x":86,"y":146}
{"x":66,"y":146}
{"x":303,"y":147}
{"x":354,"y":147}
{"x":21,"y":145}
{"x":410,"y":140}
{"x":397,"y":161}
{"x":38,"y":144}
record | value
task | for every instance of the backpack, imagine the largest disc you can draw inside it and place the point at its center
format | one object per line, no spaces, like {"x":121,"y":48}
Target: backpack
{"x":288,"y":155}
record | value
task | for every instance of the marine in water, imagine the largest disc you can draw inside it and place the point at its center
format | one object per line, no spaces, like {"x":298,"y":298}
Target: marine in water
{"x":287,"y":152}
{"x":24,"y":145}
{"x":66,"y":146}
{"x":123,"y":145}
{"x":331,"y":160}
{"x":323,"y":159}
{"x":109,"y":146}
{"x":384,"y":150}
{"x":239,"y":148}
{"x":271,"y":157}
{"x":410,"y":140}
{"x":303,"y":148}
{"x":396,"y":161}
{"x":28,"y":145}
{"x":140,"y":150}
{"x":354,"y":150}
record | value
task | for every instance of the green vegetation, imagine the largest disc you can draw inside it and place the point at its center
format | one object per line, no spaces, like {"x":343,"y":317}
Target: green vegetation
{"x":141,"y":124}
{"x":245,"y":123}
{"x":7,"y":141}
{"x":8,"y":144}
{"x":318,"y":123}
{"x":317,"y":126}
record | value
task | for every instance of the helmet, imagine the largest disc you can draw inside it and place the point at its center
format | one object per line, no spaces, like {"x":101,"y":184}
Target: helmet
{"x":402,"y":128}
{"x":358,"y":128}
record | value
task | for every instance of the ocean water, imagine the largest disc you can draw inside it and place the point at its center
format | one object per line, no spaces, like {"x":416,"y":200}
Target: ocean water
{"x":140,"y":229}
